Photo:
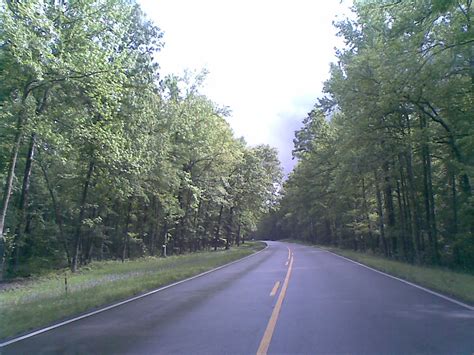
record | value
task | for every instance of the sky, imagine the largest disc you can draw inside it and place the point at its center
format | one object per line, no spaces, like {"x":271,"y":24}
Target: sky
{"x":267,"y":59}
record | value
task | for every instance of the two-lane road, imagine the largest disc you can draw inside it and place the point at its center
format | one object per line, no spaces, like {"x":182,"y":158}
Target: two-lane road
{"x":288,"y":299}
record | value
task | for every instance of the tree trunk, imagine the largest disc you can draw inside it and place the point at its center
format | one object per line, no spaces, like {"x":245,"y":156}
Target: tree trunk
{"x":455,"y":204}
{"x":367,"y":216}
{"x":185,"y":201}
{"x":428,"y":195}
{"x":412,"y":199}
{"x":23,"y":202}
{"x":89,"y":242}
{"x":82,"y":208}
{"x":57,"y":215}
{"x":141,"y":227}
{"x":218,"y":228}
{"x":402,"y":229}
{"x":238,"y":235}
{"x":165,"y":238}
{"x":126,"y":237}
{"x":389,"y":209}
{"x":7,"y":190}
{"x":381,"y":215}
{"x":229,"y":228}
{"x":406,"y":212}
{"x":195,"y":239}
{"x":153,"y":224}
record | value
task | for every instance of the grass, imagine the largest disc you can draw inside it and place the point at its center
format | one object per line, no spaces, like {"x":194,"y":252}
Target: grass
{"x":41,"y":302}
{"x":451,"y":283}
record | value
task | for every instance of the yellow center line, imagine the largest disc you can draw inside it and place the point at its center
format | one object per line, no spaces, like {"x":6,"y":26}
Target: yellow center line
{"x":267,"y":336}
{"x":275,"y":288}
{"x":289,"y":253}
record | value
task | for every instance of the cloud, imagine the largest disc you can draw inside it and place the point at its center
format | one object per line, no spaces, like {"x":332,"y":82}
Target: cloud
{"x":267,"y":59}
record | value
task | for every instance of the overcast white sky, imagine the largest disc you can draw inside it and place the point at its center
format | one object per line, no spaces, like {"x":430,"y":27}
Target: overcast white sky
{"x":267,"y":59}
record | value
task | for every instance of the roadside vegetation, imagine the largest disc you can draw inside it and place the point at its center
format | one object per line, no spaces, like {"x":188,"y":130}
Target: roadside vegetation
{"x":451,"y":283}
{"x":385,"y":158}
{"x":101,"y":157}
{"x":456,"y":284}
{"x":39,"y":302}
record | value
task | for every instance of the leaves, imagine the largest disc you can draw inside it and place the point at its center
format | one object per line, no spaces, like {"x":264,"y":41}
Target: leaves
{"x":383,"y":156}
{"x":125,"y":162}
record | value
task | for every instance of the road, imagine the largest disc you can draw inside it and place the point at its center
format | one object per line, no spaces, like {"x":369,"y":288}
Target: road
{"x":288,"y":299}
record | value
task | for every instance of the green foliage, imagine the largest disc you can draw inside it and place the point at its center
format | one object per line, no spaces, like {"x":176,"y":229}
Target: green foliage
{"x":385,"y":158}
{"x":123,"y":162}
{"x":463,"y":250}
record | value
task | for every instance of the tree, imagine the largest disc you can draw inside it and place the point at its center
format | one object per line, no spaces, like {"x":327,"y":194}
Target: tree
{"x":398,"y":106}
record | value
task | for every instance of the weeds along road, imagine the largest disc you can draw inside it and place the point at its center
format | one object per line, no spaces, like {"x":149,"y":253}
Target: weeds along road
{"x":288,"y":299}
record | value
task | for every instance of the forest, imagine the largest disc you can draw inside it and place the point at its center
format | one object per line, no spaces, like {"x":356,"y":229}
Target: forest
{"x":101,"y":157}
{"x":386,"y":156}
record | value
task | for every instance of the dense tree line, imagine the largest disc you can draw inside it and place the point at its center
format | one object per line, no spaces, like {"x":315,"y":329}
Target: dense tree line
{"x":386,"y":157}
{"x":101,"y":158}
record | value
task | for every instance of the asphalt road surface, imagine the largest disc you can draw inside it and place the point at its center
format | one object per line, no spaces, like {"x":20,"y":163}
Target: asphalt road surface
{"x":288,"y":299}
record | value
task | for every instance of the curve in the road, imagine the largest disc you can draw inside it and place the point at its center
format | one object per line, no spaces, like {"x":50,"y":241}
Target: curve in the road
{"x":323,"y":304}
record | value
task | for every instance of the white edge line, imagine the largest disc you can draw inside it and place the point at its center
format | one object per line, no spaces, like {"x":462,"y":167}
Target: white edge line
{"x":408,"y":283}
{"x":44,"y":330}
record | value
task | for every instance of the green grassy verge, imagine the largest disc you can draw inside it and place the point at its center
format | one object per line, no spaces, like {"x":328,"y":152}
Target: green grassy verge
{"x":44,"y":301}
{"x":448,"y":282}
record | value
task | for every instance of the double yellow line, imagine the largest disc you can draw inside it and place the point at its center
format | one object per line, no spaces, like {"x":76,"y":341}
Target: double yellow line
{"x":267,"y":336}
